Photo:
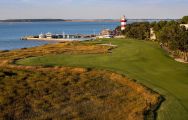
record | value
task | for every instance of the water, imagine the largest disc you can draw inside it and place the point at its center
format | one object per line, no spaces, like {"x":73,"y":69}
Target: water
{"x":10,"y":33}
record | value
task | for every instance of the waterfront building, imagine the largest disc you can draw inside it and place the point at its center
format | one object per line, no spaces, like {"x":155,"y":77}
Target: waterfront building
{"x":49,"y":35}
{"x":72,"y":36}
{"x":63,"y":34}
{"x":42,"y":36}
{"x":185,"y":25}
{"x":68,"y":36}
{"x":106,"y":33}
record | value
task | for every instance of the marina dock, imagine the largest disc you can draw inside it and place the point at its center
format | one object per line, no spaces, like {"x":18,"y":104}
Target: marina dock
{"x":60,"y":37}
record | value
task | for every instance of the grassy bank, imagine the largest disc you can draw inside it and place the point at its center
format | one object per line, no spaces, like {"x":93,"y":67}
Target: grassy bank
{"x":71,"y":93}
{"x":141,"y":60}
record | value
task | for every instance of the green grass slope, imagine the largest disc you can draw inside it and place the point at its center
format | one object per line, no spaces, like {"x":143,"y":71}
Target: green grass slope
{"x":141,"y":60}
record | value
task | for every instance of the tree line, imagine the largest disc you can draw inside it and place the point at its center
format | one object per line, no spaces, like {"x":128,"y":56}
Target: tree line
{"x":172,"y":34}
{"x":169,"y":33}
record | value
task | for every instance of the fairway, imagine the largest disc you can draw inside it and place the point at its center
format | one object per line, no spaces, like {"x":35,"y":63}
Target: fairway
{"x":141,"y":60}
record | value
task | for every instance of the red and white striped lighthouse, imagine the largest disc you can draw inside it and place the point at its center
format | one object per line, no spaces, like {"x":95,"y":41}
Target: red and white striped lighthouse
{"x":123,"y":23}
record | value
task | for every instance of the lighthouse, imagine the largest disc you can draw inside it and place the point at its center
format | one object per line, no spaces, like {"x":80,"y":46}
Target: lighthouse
{"x":123,"y":23}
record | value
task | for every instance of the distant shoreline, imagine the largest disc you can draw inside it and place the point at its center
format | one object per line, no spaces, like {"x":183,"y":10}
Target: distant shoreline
{"x":60,"y":20}
{"x":76,"y":20}
{"x":32,"y":20}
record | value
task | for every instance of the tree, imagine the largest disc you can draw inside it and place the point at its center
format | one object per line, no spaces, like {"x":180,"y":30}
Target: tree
{"x":184,"y":20}
{"x":138,"y":30}
{"x":174,"y":36}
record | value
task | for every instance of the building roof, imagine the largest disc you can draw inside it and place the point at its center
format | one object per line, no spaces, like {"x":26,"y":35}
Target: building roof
{"x":106,"y":32}
{"x":185,"y":25}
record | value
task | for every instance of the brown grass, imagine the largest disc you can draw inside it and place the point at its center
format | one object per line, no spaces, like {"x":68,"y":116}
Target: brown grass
{"x":69,"y":93}
{"x":8,"y":57}
{"x":58,"y":48}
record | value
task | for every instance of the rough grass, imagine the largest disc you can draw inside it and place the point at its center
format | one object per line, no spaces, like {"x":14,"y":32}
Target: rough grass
{"x":65,"y":48}
{"x":141,"y":60}
{"x":67,"y":93}
{"x":28,"y":92}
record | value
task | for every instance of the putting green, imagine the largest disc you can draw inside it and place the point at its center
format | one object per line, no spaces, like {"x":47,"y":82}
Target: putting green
{"x":141,"y":60}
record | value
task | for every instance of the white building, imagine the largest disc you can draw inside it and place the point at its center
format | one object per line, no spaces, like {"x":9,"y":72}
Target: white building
{"x":106,"y":33}
{"x":152,"y":34}
{"x":42,"y":36}
{"x":48,"y":35}
{"x":185,"y":25}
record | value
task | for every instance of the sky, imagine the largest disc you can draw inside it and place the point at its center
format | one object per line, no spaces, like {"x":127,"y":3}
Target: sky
{"x":92,"y":9}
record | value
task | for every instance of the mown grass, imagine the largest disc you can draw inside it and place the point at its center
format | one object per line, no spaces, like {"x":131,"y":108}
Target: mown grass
{"x":141,"y":60}
{"x":29,"y":92}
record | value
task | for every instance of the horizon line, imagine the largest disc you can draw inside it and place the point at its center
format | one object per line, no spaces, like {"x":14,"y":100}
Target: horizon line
{"x":89,"y":19}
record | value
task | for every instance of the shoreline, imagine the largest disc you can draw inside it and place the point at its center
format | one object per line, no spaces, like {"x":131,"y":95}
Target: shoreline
{"x":56,"y":40}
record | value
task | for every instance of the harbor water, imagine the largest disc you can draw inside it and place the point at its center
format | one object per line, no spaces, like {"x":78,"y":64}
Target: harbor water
{"x":10,"y":33}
